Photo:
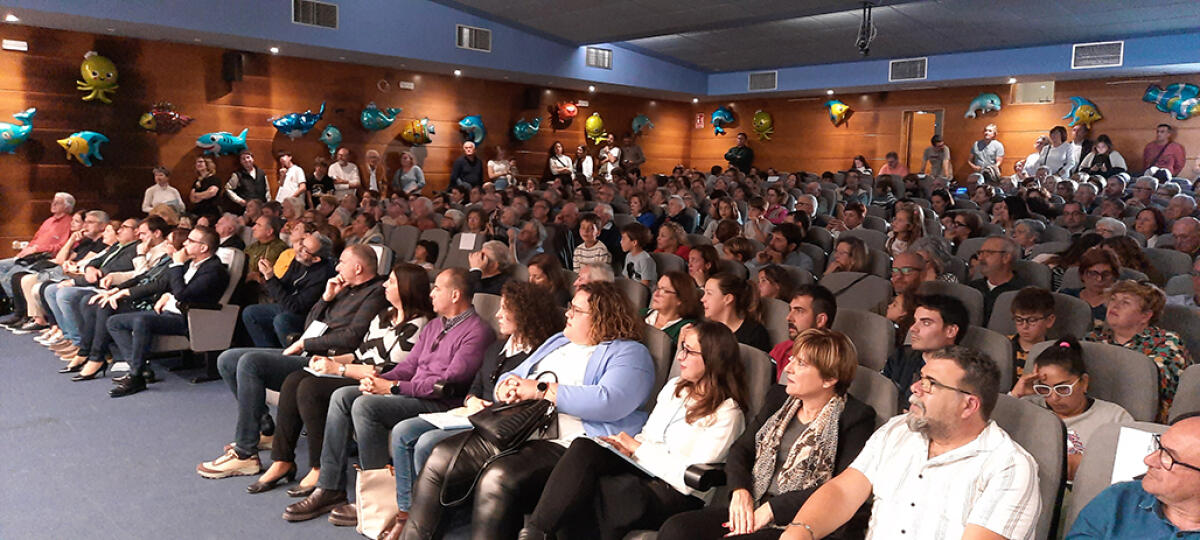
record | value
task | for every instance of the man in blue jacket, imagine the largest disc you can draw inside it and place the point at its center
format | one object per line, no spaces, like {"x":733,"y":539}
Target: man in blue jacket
{"x":196,"y":276}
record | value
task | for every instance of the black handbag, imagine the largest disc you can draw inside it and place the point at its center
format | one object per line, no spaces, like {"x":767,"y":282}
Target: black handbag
{"x":499,"y":431}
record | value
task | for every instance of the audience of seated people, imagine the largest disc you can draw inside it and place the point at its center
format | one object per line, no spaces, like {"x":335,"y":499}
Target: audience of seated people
{"x":100,"y":289}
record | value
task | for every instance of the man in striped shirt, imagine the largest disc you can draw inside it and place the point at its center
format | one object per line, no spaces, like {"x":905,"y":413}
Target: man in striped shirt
{"x":943,"y":470}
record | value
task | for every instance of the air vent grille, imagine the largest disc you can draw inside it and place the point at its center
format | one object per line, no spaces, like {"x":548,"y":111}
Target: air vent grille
{"x":473,"y":38}
{"x":762,"y":80}
{"x":314,"y":13}
{"x":1097,"y":55}
{"x":908,"y":69}
{"x":599,"y":58}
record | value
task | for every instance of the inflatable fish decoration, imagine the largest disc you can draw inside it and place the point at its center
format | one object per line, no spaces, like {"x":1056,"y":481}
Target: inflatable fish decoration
{"x":720,"y":118}
{"x":839,"y":112}
{"x":83,"y":146}
{"x":524,"y":130}
{"x":12,"y":135}
{"x":99,"y":77}
{"x":417,"y":132}
{"x":984,"y":103}
{"x":162,"y":118}
{"x":374,"y":119}
{"x":1181,"y":99}
{"x":296,"y":125}
{"x":332,"y":137}
{"x":639,"y":123}
{"x":563,"y":112}
{"x":1083,"y":111}
{"x":472,"y":128}
{"x":764,"y":125}
{"x":594,"y":128}
{"x":221,"y":143}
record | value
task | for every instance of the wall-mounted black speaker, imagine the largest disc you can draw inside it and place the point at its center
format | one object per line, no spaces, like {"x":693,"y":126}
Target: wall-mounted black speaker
{"x":532,"y":99}
{"x":233,"y":66}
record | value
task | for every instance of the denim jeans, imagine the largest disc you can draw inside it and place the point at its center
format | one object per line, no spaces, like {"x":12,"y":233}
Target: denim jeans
{"x":249,"y":373}
{"x":371,"y":418}
{"x":68,"y":314}
{"x":8,"y":267}
{"x":269,"y":325}
{"x":412,"y":442}
{"x":133,"y":333}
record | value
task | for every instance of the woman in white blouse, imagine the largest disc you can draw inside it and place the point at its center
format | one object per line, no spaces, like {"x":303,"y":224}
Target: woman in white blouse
{"x":304,"y":395}
{"x":162,"y":192}
{"x":560,"y":164}
{"x":499,"y":170}
{"x":583,"y":164}
{"x":697,"y":417}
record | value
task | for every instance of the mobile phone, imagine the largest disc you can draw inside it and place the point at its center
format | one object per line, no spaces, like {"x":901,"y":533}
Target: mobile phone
{"x":960,"y":191}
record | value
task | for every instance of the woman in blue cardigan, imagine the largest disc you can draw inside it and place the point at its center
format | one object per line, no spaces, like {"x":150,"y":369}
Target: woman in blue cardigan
{"x":603,"y":375}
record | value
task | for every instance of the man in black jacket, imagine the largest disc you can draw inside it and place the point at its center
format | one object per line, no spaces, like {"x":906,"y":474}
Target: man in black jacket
{"x":197,"y":275}
{"x":467,"y":169}
{"x":292,"y":295}
{"x":335,"y":325}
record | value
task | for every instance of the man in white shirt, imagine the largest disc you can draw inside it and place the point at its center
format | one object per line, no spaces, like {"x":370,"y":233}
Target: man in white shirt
{"x":344,"y":173}
{"x":292,"y":182}
{"x":373,"y":171}
{"x":943,"y":470}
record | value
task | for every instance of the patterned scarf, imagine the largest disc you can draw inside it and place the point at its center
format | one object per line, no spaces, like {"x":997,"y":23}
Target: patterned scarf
{"x":810,"y":460}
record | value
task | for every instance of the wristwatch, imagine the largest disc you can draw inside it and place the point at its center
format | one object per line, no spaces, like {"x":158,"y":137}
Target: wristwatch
{"x":395,"y":389}
{"x":542,"y":386}
{"x":342,"y":370}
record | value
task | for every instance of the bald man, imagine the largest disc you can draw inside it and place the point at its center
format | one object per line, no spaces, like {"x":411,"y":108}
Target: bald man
{"x":1186,"y":231}
{"x":1164,"y":504}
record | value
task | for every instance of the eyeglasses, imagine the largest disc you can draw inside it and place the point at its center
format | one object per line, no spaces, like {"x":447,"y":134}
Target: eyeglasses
{"x":1022,"y":321}
{"x":190,"y":239}
{"x":686,"y":352}
{"x":926,"y":385}
{"x":904,"y":270}
{"x":665,"y":290}
{"x":1094,"y":274}
{"x":960,"y":224}
{"x":1063,"y":390}
{"x":572,"y":310}
{"x":1166,"y":458}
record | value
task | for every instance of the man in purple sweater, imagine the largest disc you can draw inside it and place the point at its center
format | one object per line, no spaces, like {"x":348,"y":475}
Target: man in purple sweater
{"x":450,"y":348}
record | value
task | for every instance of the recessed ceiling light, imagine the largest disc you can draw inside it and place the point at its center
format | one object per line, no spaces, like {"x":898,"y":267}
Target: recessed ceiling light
{"x":1012,"y":80}
{"x":341,"y":58}
{"x":11,"y":18}
{"x":695,"y":100}
{"x":197,"y":40}
{"x":458,"y":73}
{"x":829,"y":92}
{"x":591,"y":88}
{"x":274,"y":50}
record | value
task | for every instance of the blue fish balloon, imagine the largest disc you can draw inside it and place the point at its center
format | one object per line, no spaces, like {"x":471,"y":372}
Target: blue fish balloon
{"x":83,"y":146}
{"x":1083,"y":111}
{"x":639,"y":123}
{"x":296,"y":125}
{"x":984,"y":103}
{"x":12,"y":135}
{"x":472,"y":128}
{"x":839,"y":112}
{"x":332,"y":137}
{"x":1181,"y":99}
{"x":374,"y":119}
{"x":720,"y":118}
{"x":221,"y":143}
{"x":524,"y":130}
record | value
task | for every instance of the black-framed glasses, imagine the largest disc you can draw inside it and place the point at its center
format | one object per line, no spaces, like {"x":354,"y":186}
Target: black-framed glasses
{"x":1063,"y":390}
{"x":904,"y":270}
{"x":927,"y":383}
{"x":1166,"y":457}
{"x":1022,"y":321}
{"x":686,"y":352}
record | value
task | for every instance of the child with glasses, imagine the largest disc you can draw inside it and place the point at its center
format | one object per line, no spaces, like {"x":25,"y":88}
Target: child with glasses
{"x":1033,"y":316}
{"x":1059,"y":382}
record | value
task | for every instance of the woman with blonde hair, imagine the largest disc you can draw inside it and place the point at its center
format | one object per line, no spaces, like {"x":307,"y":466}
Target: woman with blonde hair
{"x":206,"y":190}
{"x":849,"y":255}
{"x":410,"y":178}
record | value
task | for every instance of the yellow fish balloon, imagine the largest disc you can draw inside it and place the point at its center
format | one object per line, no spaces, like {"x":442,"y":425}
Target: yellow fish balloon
{"x":594,"y":128}
{"x":838,"y":112}
{"x":1083,"y":111}
{"x":99,"y":77}
{"x":417,"y":132}
{"x":83,"y":146}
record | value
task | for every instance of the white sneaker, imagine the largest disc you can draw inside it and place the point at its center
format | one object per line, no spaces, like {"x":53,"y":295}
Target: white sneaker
{"x":229,"y":464}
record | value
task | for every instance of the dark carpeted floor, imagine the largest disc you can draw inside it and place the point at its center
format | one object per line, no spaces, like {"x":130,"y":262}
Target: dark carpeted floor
{"x":75,"y":463}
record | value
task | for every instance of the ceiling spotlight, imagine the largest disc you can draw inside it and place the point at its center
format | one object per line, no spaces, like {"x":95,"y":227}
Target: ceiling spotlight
{"x":110,"y":29}
{"x":829,"y":92}
{"x":695,"y":100}
{"x":197,"y":40}
{"x":591,"y":88}
{"x":274,"y":50}
{"x":458,"y":73}
{"x":11,"y":18}
{"x":1012,"y":80}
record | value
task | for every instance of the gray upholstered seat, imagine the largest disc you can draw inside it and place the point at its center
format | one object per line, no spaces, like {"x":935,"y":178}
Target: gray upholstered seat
{"x":1095,"y":469}
{"x":970,"y":297}
{"x":856,"y":290}
{"x":1116,"y":374}
{"x":1044,"y":436}
{"x":871,"y":387}
{"x":873,"y":335}
{"x":1072,"y":316}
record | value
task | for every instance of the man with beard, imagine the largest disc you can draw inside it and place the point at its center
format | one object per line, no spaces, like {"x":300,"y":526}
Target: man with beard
{"x":812,"y":306}
{"x":943,"y":470}
{"x":939,"y":321}
{"x":996,"y":259}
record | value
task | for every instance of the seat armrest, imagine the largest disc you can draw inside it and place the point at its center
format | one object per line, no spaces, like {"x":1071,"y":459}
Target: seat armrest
{"x":187,"y":306}
{"x":450,"y":390}
{"x":704,"y":476}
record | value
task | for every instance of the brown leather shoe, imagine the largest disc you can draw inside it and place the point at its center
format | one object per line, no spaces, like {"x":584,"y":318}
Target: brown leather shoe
{"x":320,"y":502}
{"x":344,"y":515}
{"x":395,"y":526}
